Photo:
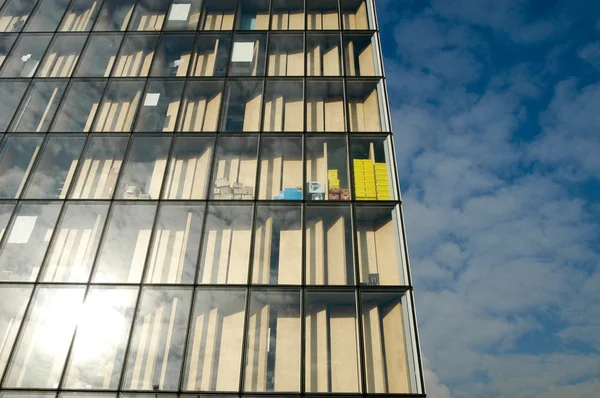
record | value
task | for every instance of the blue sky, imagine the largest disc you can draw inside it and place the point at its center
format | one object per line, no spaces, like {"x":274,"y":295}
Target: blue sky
{"x":496,"y":115}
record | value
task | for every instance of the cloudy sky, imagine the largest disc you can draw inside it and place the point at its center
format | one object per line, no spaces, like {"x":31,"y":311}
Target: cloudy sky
{"x":496,"y":114}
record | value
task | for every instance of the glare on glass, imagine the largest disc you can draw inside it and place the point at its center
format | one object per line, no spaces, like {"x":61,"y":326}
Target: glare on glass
{"x":280,"y":168}
{"x":99,"y":55}
{"x":75,"y":242}
{"x":13,"y":301}
{"x":329,"y":256}
{"x":277,"y":245}
{"x":115,"y":15}
{"x":327,"y":175}
{"x":159,"y":109}
{"x":81,"y":15}
{"x":201,"y":104}
{"x":144,"y":169}
{"x":100,"y":167}
{"x":149,"y":15}
{"x":173,"y":55}
{"x":127,"y":237}
{"x":39,"y":106}
{"x":234,"y":174}
{"x":47,"y":16}
{"x":15,"y":15}
{"x":155,"y":356}
{"x":214,"y":351}
{"x":16,"y":161}
{"x":189,"y":166}
{"x":26,"y":56}
{"x":13,"y":91}
{"x":286,"y":55}
{"x":284,"y":107}
{"x":27,"y":239}
{"x":45,"y":338}
{"x":79,"y":107}
{"x":99,"y":347}
{"x":119,"y":106}
{"x":136,"y":56}
{"x":225,"y":250}
{"x":174,"y":251}
{"x":273,"y":341}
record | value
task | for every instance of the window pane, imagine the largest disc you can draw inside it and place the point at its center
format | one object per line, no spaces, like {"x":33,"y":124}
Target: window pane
{"x":201,"y":105}
{"x":6,"y":43}
{"x":283,"y":106}
{"x":273,"y":345}
{"x":327,"y":175}
{"x":27,"y":394}
{"x":234,"y":174}
{"x":119,"y":106}
{"x":215,"y":340}
{"x":15,"y":14}
{"x":325,"y":105}
{"x":54,"y":172}
{"x":354,"y":14}
{"x":286,"y":55}
{"x":80,"y":106}
{"x":322,"y":14}
{"x":388,"y":366}
{"x":99,"y":55}
{"x":159,"y":110}
{"x":86,"y":395}
{"x":218,"y":15}
{"x":26,"y":56}
{"x":364,"y":109}
{"x":145,"y":167}
{"x":6,"y":210}
{"x":184,"y":15}
{"x":13,"y":91}
{"x":98,"y":351}
{"x":154,"y":360}
{"x":189,"y":168}
{"x":323,"y":55}
{"x":48,"y":16}
{"x":100,"y":168}
{"x":242,"y":106}
{"x":373,"y":169}
{"x":379,"y":250}
{"x":44,"y":342}
{"x":359,"y":55}
{"x":126,"y":242}
{"x":226,"y":244}
{"x":81,"y":15}
{"x":278,"y":245}
{"x":173,"y":55}
{"x":248,"y":55}
{"x":287,"y":14}
{"x":253,"y":15}
{"x":149,"y":15}
{"x":16,"y":161}
{"x":28,"y":237}
{"x":75,"y":243}
{"x":13,"y":301}
{"x":329,"y":246}
{"x":115,"y":15}
{"x":174,"y":252}
{"x":39,"y":106}
{"x":62,"y":56}
{"x":136,"y":56}
{"x":331,"y":342}
{"x":281,"y":168}
{"x":212,"y":54}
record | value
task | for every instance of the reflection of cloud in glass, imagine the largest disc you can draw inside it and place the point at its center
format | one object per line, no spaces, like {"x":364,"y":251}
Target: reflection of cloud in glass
{"x":17,"y":155}
{"x":13,"y":300}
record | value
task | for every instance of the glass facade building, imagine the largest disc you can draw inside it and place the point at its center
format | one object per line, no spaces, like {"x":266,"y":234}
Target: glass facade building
{"x":200,"y":197}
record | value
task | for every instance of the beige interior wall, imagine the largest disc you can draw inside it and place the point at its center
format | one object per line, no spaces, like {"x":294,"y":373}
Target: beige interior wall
{"x":188,"y":176}
{"x":345,"y":372}
{"x":284,"y":20}
{"x":226,"y":255}
{"x":8,"y":22}
{"x":387,"y":258}
{"x":205,"y":62}
{"x":317,"y":359}
{"x":117,"y":116}
{"x":252,"y":114}
{"x":134,"y":65}
{"x":256,"y":356}
{"x":356,"y":19}
{"x":326,"y":252}
{"x":59,"y":65}
{"x":261,"y":268}
{"x":149,"y":22}
{"x":97,"y":178}
{"x":283,"y":113}
{"x":75,"y":21}
{"x":218,"y":20}
{"x":323,"y":61}
{"x":396,"y":359}
{"x":168,"y":253}
{"x":322,"y":20}
{"x":325,"y":114}
{"x":364,"y":115}
{"x":201,"y":113}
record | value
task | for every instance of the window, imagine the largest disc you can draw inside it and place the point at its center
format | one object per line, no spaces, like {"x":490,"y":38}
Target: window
{"x":226,"y":244}
{"x":75,"y":243}
{"x":234,"y":174}
{"x":364,"y":109}
{"x":212,"y":54}
{"x":62,"y":56}
{"x":273,"y":341}
{"x":323,"y":55}
{"x":6,"y":43}
{"x":155,"y":356}
{"x":355,"y":15}
{"x":144,"y":168}
{"x":81,"y":15}
{"x":126,"y":242}
{"x":329,"y":256}
{"x":99,"y":55}
{"x":242,"y":107}
{"x":45,"y":339}
{"x":115,"y":15}
{"x":149,"y":15}
{"x":286,"y":55}
{"x":322,"y":14}
{"x":325,"y":105}
{"x":13,"y":301}
{"x":136,"y":56}
{"x":80,"y":106}
{"x":100,"y":167}
{"x":281,"y":168}
{"x":248,"y":55}
{"x":119,"y":106}
{"x":160,"y":107}
{"x":332,"y":363}
{"x":15,"y":14}
{"x":277,"y":245}
{"x":287,"y":14}
{"x":215,"y":340}
{"x":6,"y":210}
{"x":283,"y":106}
{"x":29,"y":234}
{"x":327,"y":168}
{"x":189,"y":168}
{"x":373,"y":169}
{"x":16,"y":160}
{"x":201,"y":105}
{"x":184,"y":15}
{"x":173,"y":55}
{"x":360,"y":58}
{"x":39,"y":106}
{"x":13,"y":91}
{"x":26,"y":56}
{"x":174,"y":251}
{"x":253,"y":15}
{"x":54,"y":172}
{"x":218,"y":15}
{"x":48,"y":15}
